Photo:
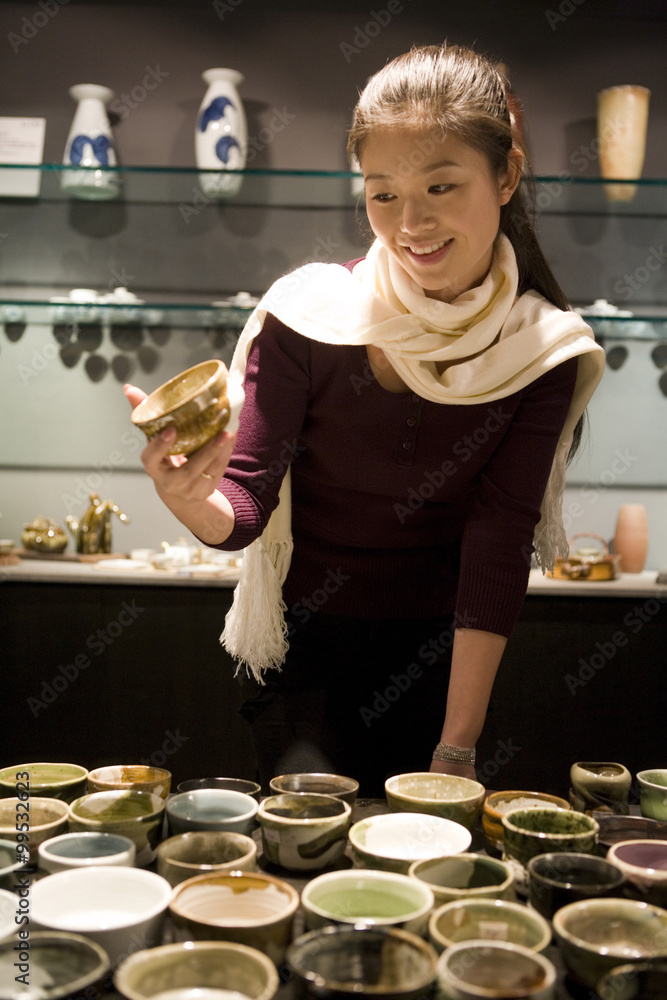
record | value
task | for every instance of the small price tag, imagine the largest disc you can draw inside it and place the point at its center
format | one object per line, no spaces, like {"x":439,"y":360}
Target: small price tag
{"x":21,"y":142}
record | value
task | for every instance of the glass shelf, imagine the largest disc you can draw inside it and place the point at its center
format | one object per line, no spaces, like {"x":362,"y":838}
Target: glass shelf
{"x":558,"y":194}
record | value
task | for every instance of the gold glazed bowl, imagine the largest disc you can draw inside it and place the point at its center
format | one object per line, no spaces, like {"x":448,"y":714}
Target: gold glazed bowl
{"x":200,"y":403}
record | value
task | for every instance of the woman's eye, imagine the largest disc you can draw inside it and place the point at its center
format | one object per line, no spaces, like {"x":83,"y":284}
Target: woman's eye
{"x":440,"y":188}
{"x":382,"y":197}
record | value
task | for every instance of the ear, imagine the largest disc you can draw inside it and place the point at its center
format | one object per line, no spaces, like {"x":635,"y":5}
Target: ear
{"x":510,"y":180}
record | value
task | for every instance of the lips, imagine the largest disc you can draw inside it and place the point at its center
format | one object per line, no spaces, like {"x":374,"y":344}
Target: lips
{"x":430,"y":252}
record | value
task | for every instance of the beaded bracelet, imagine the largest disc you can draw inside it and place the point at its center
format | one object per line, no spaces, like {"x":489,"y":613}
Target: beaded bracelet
{"x":454,"y":755}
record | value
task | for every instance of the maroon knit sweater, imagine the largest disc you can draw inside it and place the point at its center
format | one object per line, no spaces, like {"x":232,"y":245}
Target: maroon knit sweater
{"x":400,"y":507}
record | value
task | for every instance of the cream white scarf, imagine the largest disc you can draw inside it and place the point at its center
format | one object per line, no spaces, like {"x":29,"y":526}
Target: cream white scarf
{"x":493,"y":344}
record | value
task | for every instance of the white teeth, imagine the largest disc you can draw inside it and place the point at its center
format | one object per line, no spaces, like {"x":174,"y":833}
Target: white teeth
{"x":431,"y":249}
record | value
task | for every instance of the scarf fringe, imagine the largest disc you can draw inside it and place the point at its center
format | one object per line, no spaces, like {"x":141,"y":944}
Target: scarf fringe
{"x":255,"y":632}
{"x":550,"y":540}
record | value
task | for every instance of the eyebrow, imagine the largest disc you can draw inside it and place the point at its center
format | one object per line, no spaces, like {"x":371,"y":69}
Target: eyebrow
{"x":424,"y":170}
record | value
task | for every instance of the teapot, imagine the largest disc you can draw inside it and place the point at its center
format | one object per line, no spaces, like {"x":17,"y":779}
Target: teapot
{"x":93,"y":533}
{"x":43,"y":534}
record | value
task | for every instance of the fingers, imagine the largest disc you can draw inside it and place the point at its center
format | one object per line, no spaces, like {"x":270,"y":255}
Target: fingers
{"x":178,"y":476}
{"x":133,"y":394}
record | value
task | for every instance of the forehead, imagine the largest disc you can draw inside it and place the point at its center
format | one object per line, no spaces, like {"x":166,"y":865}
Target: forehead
{"x":406,"y":152}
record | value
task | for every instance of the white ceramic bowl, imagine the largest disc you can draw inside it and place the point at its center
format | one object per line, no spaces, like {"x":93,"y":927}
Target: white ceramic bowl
{"x":85,"y":849}
{"x":211,"y":809}
{"x":60,"y":965}
{"x":122,"y":909}
{"x":371,"y":898}
{"x":391,"y":842}
{"x":198,"y":969}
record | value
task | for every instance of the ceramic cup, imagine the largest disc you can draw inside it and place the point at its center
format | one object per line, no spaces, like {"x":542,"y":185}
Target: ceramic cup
{"x":27,"y":823}
{"x":46,"y":780}
{"x":498,"y":803}
{"x":391,"y":842}
{"x":137,"y":815}
{"x":634,"y":981}
{"x":65,"y":963}
{"x":488,"y":919}
{"x":447,"y":795}
{"x":653,"y":793}
{"x":211,"y":809}
{"x":494,"y":970}
{"x":84,"y":850}
{"x":303,"y":831}
{"x":529,"y":832}
{"x":556,"y":879}
{"x":465,"y":876}
{"x":140,"y":777}
{"x":337,"y":785}
{"x":231,"y":784}
{"x":600,"y":785}
{"x":203,"y":852}
{"x":346,"y":962}
{"x":644,"y":864}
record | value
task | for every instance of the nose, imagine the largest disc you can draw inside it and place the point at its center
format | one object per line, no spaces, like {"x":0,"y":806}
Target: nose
{"x":418,"y":217}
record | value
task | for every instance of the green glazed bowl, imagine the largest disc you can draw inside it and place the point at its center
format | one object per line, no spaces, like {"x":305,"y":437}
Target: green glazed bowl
{"x":49,"y":781}
{"x":529,"y":832}
{"x":653,"y":793}
{"x":303,"y":831}
{"x":137,"y":815}
{"x":446,"y":795}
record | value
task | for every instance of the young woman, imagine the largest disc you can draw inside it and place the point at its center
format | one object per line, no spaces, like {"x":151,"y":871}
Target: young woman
{"x":402,"y":447}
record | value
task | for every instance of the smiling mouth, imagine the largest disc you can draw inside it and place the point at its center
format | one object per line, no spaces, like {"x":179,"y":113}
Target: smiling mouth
{"x":427,"y":251}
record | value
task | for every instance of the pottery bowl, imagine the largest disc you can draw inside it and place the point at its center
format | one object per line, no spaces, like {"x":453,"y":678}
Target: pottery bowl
{"x":249,"y":908}
{"x":199,"y":402}
{"x":653,"y":793}
{"x":616,"y":828}
{"x":644,"y":864}
{"x":231,"y":784}
{"x":63,"y":964}
{"x":84,"y":850}
{"x":200,"y":969}
{"x":600,"y":784}
{"x":211,"y":809}
{"x":498,"y":803}
{"x":41,"y":818}
{"x":122,"y":909}
{"x":10,"y":860}
{"x":447,"y":795}
{"x":303,"y":831}
{"x":529,"y":832}
{"x":465,"y":876}
{"x":204,"y":852}
{"x":344,"y":962}
{"x":46,"y":780}
{"x":337,"y":785}
{"x":137,"y":815}
{"x":594,"y":935}
{"x":634,"y":981}
{"x":140,"y":777}
{"x":493,"y":919}
{"x":392,"y":842}
{"x":8,"y":904}
{"x":367,"y":897}
{"x":494,"y":970}
{"x":556,"y":879}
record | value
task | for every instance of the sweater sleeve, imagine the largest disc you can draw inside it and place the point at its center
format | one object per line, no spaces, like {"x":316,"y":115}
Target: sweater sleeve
{"x":497,"y":541}
{"x":276,"y":386}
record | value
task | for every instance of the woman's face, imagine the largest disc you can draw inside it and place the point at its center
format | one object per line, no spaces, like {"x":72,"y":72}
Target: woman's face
{"x":434,"y":204}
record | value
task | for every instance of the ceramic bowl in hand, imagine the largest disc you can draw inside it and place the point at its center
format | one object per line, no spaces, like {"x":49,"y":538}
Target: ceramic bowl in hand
{"x":205,"y":852}
{"x":371,"y":898}
{"x":529,"y":832}
{"x":337,"y":785}
{"x":60,"y":965}
{"x":653,"y":793}
{"x":140,"y":777}
{"x":447,"y":795}
{"x":86,"y":849}
{"x":202,"y":970}
{"x":494,"y":970}
{"x":200,"y":403}
{"x":644,"y":864}
{"x":211,"y":809}
{"x":334,"y":963}
{"x":488,"y":919}
{"x":137,"y":815}
{"x":556,"y":879}
{"x":465,"y":876}
{"x":302,"y":831}
{"x":250,"y":908}
{"x":391,"y":842}
{"x":498,"y":803}
{"x":29,"y":822}
{"x":231,"y":784}
{"x":45,"y":780}
{"x":122,"y":909}
{"x":594,"y":935}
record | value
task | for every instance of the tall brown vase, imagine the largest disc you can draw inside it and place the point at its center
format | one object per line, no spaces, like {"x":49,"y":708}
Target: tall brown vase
{"x":631,"y":537}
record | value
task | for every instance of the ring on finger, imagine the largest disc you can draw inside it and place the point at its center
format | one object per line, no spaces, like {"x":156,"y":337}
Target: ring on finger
{"x":207,"y":475}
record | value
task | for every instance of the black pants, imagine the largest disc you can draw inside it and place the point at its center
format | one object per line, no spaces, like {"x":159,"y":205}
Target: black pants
{"x":359,"y":697}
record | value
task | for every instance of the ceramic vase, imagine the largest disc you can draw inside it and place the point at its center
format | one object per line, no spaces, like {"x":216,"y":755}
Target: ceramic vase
{"x":221,"y":134}
{"x":631,"y":537}
{"x":90,"y":145}
{"x":621,"y":127}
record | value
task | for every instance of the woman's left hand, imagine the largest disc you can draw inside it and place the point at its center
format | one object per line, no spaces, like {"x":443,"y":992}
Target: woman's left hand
{"x":449,"y":767}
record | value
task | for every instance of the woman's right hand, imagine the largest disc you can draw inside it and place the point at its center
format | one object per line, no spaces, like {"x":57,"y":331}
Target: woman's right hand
{"x":188,"y":485}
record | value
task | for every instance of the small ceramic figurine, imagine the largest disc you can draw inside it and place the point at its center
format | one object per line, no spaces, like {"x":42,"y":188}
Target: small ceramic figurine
{"x":93,"y":534}
{"x":43,"y":534}
{"x":600,"y":786}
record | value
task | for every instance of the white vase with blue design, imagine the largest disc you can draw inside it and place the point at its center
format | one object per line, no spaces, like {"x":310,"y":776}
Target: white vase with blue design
{"x":90,"y":146}
{"x":221,"y":134}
